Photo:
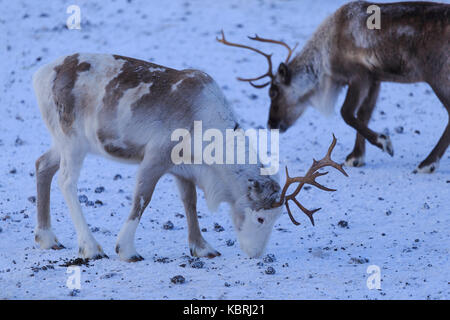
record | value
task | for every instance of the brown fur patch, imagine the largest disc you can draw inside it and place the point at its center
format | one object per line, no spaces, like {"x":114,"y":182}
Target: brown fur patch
{"x":66,"y":76}
{"x":411,"y":46}
{"x":132,"y":73}
{"x":188,"y":86}
{"x":160,"y":95}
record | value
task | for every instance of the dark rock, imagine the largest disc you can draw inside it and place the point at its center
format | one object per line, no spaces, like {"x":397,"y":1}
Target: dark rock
{"x":168,"y":225}
{"x":108,"y":275}
{"x":74,"y":292}
{"x":178,"y":279}
{"x":359,"y":260}
{"x":99,"y":189}
{"x":162,"y":260}
{"x":90,"y":203}
{"x":218,"y":227}
{"x":399,"y":129}
{"x":269,"y":258}
{"x":18,"y":142}
{"x":270,"y":270}
{"x":197,"y":264}
{"x":230,"y":243}
{"x":343,"y":224}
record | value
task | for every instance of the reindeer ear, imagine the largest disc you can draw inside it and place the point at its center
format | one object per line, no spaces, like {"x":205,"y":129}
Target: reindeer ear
{"x":284,"y":73}
{"x":254,"y":185}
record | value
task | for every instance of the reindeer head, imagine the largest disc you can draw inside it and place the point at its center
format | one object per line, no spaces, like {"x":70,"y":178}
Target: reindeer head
{"x":288,"y":99}
{"x":256,"y":212}
{"x":253,"y":214}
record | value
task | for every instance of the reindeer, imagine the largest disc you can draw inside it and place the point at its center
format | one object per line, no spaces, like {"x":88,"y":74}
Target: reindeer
{"x":413,"y":45}
{"x":125,"y":109}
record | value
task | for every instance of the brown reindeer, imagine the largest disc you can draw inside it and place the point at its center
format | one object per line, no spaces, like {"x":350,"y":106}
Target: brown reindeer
{"x":412,"y":45}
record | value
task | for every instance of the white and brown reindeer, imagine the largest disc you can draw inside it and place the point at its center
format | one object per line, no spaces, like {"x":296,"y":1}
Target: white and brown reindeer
{"x":126,"y":109}
{"x":412,"y":45}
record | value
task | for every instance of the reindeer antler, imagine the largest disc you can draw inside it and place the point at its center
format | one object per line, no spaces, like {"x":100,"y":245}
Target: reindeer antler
{"x":309,"y":178}
{"x":284,"y":44}
{"x":267,"y":56}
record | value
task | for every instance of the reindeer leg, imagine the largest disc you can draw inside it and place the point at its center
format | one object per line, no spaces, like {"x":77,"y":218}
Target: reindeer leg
{"x":46,"y":167}
{"x":150,"y":171}
{"x":356,"y":157}
{"x":197,"y":244}
{"x":70,"y":167}
{"x":357,"y":91}
{"x":431,"y":163}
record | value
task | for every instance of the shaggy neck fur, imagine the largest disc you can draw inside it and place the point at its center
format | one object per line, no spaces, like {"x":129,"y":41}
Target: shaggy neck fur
{"x":311,"y":71}
{"x":228,"y":184}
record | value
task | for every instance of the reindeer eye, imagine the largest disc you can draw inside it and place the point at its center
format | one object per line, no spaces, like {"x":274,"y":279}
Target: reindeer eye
{"x":261,"y":220}
{"x":273,"y":92}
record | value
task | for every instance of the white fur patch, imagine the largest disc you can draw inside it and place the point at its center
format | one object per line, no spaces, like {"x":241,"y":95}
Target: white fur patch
{"x":156,"y":69}
{"x":324,"y":100}
{"x":254,"y":235}
{"x":174,"y":87}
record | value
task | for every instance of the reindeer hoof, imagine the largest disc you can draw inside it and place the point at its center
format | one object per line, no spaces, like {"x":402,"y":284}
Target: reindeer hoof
{"x":386,"y":145}
{"x":46,"y":239}
{"x":135,"y":258}
{"x":427,"y":168}
{"x":128,"y":253}
{"x":203,"y":251}
{"x":353,"y":161}
{"x":213,"y":255}
{"x":91,"y":251}
{"x":58,"y":246}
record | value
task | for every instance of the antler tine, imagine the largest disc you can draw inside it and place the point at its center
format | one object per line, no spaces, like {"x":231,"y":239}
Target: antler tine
{"x":259,"y":86}
{"x":309,"y":178}
{"x":284,"y":44}
{"x":267,"y":56}
{"x":291,"y":216}
{"x":309,"y":213}
{"x":327,"y":161}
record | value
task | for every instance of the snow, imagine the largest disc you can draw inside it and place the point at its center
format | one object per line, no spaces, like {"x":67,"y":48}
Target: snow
{"x":397,"y":220}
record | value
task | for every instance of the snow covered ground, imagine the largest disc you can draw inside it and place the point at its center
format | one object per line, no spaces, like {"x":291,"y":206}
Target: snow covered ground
{"x":396,"y":220}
